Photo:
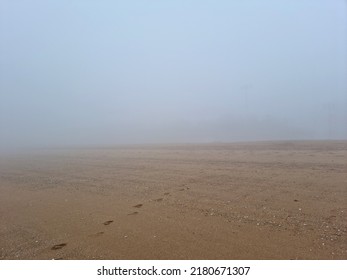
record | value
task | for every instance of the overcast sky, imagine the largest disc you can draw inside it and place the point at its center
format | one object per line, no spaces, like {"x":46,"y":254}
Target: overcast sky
{"x":114,"y":72}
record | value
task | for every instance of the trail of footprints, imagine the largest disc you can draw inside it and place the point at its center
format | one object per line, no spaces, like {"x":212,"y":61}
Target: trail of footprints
{"x":106,"y":223}
{"x":155,"y":200}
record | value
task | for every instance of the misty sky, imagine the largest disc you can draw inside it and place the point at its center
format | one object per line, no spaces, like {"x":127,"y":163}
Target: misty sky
{"x":114,"y":72}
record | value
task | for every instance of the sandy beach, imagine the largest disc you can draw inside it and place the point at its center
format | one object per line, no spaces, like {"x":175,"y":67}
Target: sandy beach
{"x":260,"y":200}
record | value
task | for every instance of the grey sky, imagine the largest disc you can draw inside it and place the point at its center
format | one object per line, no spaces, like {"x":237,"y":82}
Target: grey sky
{"x":109,"y":72}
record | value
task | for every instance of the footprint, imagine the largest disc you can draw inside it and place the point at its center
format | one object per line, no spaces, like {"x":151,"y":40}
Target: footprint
{"x":138,"y":205}
{"x":108,"y":222}
{"x":133,"y":213}
{"x":331,"y":218}
{"x":97,"y":234}
{"x":158,"y":199}
{"x":58,"y":246}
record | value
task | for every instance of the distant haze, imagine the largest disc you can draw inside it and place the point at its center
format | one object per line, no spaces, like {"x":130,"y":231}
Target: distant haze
{"x":117,"y":72}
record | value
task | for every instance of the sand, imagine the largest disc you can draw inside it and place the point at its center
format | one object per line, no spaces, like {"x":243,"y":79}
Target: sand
{"x":262,"y":200}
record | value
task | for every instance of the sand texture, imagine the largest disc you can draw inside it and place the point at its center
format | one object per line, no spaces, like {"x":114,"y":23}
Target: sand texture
{"x":263,"y":200}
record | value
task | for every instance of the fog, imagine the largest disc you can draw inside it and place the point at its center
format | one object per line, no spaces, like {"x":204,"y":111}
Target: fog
{"x":82,"y":73}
